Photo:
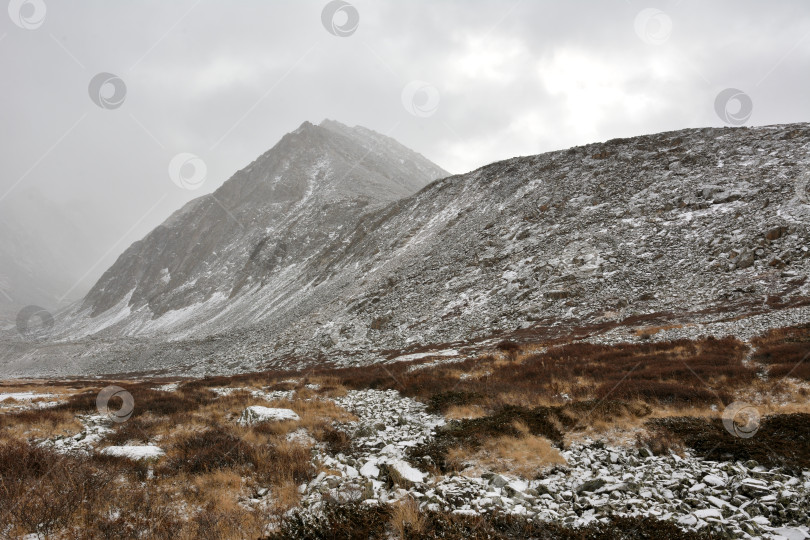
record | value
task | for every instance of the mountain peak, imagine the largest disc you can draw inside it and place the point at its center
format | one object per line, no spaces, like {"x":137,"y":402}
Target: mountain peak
{"x":273,"y":213}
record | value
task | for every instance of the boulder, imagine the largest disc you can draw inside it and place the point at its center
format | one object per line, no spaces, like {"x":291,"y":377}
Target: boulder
{"x":256,"y":414}
{"x":775,"y":233}
{"x":591,"y":485}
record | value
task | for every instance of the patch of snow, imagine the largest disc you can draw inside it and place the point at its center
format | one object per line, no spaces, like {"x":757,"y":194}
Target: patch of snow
{"x":133,"y":452}
{"x":418,"y":356}
{"x":370,"y":470}
{"x":22,"y":396}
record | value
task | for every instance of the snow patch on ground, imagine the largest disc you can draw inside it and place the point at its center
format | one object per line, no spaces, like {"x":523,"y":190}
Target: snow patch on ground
{"x":133,"y":452}
{"x":23,"y":396}
{"x":419,"y":356}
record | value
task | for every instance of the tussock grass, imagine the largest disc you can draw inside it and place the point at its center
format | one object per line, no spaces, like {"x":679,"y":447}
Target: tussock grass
{"x":464,"y":412}
{"x":507,"y":437}
{"x":525,"y":455}
{"x":780,"y":441}
{"x":38,"y":424}
{"x":406,"y":519}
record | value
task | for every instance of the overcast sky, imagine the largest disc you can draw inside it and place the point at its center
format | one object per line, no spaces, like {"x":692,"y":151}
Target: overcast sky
{"x":464,"y":83}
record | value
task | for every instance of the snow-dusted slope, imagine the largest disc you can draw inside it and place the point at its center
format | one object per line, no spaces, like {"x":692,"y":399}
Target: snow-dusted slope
{"x":257,"y":231}
{"x":700,"y":220}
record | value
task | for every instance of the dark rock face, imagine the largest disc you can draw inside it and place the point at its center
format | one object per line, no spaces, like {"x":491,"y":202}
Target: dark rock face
{"x":318,"y":257}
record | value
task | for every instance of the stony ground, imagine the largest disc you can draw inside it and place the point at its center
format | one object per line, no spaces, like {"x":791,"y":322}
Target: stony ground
{"x":744,"y":500}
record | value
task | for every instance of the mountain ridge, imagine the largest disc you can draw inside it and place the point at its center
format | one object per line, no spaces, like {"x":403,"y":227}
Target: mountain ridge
{"x":687,"y":228}
{"x":329,"y":166}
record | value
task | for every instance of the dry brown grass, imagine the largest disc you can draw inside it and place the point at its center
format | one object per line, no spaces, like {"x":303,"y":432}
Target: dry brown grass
{"x":213,"y":465}
{"x":285,"y":496}
{"x":524,"y":455}
{"x":652,"y":330}
{"x":38,"y":424}
{"x":406,"y":519}
{"x":220,"y":488}
{"x":317,"y":417}
{"x":328,"y":386}
{"x":458,"y":412}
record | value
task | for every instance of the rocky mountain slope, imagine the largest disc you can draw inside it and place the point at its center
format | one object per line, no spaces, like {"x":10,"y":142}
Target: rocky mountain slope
{"x":256,"y":230}
{"x":695,"y":225}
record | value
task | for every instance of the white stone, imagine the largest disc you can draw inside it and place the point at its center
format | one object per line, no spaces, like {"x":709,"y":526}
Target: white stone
{"x":791,"y":533}
{"x":713,"y":480}
{"x":370,"y":470}
{"x":688,"y":520}
{"x":406,"y":471}
{"x":718,"y":502}
{"x":257,"y":413}
{"x":389,"y":449}
{"x":709,"y":513}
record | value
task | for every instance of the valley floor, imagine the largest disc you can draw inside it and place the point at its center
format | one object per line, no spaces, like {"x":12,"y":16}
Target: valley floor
{"x":685,"y":438}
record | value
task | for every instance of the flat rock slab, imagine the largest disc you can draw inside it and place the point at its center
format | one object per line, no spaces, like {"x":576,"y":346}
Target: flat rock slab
{"x":133,"y":452}
{"x":256,"y":414}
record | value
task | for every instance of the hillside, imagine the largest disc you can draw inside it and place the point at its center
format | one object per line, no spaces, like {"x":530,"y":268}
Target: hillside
{"x":687,"y":230}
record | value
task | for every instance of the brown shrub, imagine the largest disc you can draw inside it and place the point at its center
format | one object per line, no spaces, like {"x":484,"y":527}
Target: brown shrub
{"x":136,"y":512}
{"x":337,"y":441}
{"x":362,"y":522}
{"x":659,"y":442}
{"x":44,"y":491}
{"x":510,"y":349}
{"x":786,"y":352}
{"x":439,"y":403}
{"x":781,"y":441}
{"x":140,"y":429}
{"x":214,"y":448}
{"x":184,"y":400}
{"x":406,"y":519}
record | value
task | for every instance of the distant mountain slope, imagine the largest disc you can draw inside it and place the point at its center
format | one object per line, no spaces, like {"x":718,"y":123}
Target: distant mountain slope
{"x":268,"y":219}
{"x":47,"y":252}
{"x":699,"y":223}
